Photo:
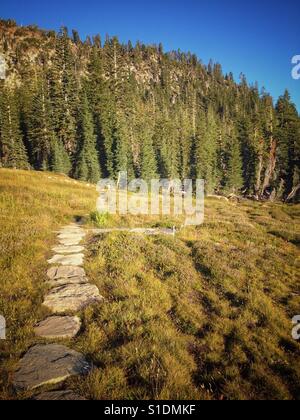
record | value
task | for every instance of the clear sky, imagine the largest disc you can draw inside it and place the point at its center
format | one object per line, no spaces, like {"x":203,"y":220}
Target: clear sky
{"x":258,"y":38}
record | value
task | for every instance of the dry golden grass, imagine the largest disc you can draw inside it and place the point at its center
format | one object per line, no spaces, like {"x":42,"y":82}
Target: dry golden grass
{"x":206,"y":315}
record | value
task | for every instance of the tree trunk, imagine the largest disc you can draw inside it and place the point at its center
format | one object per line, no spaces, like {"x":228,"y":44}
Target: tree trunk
{"x":293,"y":193}
{"x":271,"y":167}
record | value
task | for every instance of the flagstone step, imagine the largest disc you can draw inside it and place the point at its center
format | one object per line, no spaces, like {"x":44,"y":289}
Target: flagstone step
{"x":48,"y":365}
{"x":61,"y":249}
{"x":58,"y":327}
{"x":72,"y":298}
{"x":72,"y":259}
{"x":70,"y":271}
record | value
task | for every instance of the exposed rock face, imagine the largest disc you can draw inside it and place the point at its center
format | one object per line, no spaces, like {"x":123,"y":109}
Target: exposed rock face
{"x":72,"y":298}
{"x":59,"y":396}
{"x":48,"y":365}
{"x":58,"y":327}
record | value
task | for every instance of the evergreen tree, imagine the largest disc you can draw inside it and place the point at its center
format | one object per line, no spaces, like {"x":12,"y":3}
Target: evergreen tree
{"x":206,"y":150}
{"x":86,"y":165}
{"x":288,"y":134}
{"x":148,"y":158}
{"x":234,"y":178}
{"x":143,"y":111}
{"x":12,"y":149}
{"x":64,"y":92}
{"x":48,"y":151}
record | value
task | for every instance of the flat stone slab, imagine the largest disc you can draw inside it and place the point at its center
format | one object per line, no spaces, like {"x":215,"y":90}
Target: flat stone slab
{"x":59,"y":396}
{"x":70,"y":236}
{"x":65,"y":272}
{"x":64,"y":281}
{"x":71,"y":228}
{"x":49,"y":365}
{"x":69,"y":242}
{"x":61,"y":249}
{"x":58,"y":327}
{"x":72,"y":298}
{"x":72,"y":259}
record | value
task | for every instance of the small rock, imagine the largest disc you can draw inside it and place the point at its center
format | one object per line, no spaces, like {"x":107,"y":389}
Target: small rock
{"x":73,"y":259}
{"x":48,"y":365}
{"x":72,"y":298}
{"x":59,"y":396}
{"x":56,"y":273}
{"x":58,"y":327}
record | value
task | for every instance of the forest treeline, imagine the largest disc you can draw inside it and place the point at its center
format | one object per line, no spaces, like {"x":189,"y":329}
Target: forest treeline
{"x":93,"y":108}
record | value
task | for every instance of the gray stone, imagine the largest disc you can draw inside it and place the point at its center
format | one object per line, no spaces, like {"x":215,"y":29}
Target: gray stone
{"x":72,"y":259}
{"x":48,"y":365}
{"x":58,"y":327}
{"x":64,"y":281}
{"x":71,"y":228}
{"x":59,"y":396}
{"x":72,"y":298}
{"x":61,"y":249}
{"x":69,"y":242}
{"x":71,"y":236}
{"x":56,"y":273}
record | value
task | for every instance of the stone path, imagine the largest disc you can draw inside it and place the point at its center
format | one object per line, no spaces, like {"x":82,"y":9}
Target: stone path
{"x":69,"y":292}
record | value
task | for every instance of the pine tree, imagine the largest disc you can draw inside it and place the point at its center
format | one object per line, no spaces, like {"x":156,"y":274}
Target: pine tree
{"x":59,"y":160}
{"x":206,"y":150}
{"x":12,"y":149}
{"x":41,"y":135}
{"x":166,"y":144}
{"x":148,"y":158}
{"x":150,"y":112}
{"x":234,"y":178}
{"x":288,"y":134}
{"x":246,"y":135}
{"x":64,"y":92}
{"x":86,"y":165}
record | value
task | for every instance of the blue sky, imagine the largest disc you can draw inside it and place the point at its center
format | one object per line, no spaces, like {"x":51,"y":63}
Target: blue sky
{"x":258,"y":38}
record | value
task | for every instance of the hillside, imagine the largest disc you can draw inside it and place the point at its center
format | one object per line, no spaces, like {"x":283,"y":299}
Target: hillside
{"x":99,"y":107}
{"x":206,"y":314}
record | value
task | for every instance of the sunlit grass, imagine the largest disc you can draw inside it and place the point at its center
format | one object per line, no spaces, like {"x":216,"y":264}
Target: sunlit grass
{"x":204,"y":315}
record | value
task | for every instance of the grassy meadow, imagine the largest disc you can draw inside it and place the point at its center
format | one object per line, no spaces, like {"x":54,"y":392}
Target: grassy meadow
{"x":204,"y":315}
